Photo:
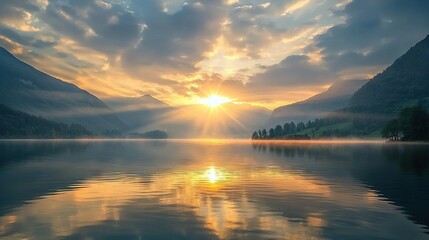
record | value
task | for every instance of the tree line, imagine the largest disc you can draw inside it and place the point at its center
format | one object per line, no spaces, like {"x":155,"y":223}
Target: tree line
{"x":16,"y":124}
{"x":411,"y":124}
{"x":288,"y":130}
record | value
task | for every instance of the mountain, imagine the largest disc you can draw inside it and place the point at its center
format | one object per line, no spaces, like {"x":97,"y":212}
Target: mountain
{"x":135,"y":103}
{"x":229,"y":120}
{"x":24,"y":88}
{"x":336,"y":97}
{"x":139,"y":111}
{"x":404,"y":83}
{"x":16,"y":124}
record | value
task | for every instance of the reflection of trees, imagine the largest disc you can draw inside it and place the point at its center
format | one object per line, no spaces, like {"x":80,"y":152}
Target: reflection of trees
{"x":30,"y":169}
{"x":12,"y":151}
{"x":302,"y":150}
{"x":411,"y":158}
{"x":398,"y":172}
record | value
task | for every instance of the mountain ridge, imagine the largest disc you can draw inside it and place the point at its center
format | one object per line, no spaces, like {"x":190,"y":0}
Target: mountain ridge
{"x":319,"y":105}
{"x":404,"y":82}
{"x":188,"y":121}
{"x":27,"y":89}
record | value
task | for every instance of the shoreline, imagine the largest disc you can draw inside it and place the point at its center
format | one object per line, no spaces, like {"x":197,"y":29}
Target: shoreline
{"x":217,"y":140}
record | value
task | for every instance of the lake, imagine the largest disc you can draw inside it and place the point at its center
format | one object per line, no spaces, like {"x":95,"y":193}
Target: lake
{"x":213,"y":189}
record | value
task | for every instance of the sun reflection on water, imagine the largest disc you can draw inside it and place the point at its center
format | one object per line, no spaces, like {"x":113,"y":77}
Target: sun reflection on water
{"x":213,"y":175}
{"x":204,"y":189}
{"x":220,"y":196}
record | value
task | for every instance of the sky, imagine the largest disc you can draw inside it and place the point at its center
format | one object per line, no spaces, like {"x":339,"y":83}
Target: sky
{"x":267,"y":53}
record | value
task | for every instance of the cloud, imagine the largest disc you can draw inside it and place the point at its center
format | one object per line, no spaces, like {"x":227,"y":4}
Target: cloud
{"x":102,"y":26}
{"x":183,"y":49}
{"x":372,"y":36}
{"x":374,"y":33}
{"x":295,"y":70}
{"x":17,"y":12}
{"x":249,"y":29}
{"x":24,"y":38}
{"x":174,"y":42}
{"x":253,"y":27}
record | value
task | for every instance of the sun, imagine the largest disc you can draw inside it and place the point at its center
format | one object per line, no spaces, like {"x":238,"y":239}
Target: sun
{"x":214,"y":100}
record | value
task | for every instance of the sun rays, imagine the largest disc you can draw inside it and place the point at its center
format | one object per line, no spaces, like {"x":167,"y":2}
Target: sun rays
{"x":214,"y":101}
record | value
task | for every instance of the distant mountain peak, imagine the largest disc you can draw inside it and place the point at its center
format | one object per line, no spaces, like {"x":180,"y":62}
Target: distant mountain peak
{"x":148,"y":96}
{"x":150,"y":101}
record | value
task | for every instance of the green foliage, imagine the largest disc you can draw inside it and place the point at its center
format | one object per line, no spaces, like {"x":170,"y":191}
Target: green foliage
{"x":403,"y":84}
{"x":278,"y":131}
{"x":16,"y":124}
{"x":271,"y":133}
{"x":112,"y":133}
{"x":155,"y":134}
{"x":412,"y":123}
{"x":286,"y":128}
{"x":319,"y":128}
{"x":255,"y":135}
{"x":264,"y":134}
{"x":288,"y":131}
{"x":391,"y":130}
{"x":406,"y":80}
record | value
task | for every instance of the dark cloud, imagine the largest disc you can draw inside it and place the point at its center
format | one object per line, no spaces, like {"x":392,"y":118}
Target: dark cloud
{"x":374,"y":33}
{"x":23,"y":38}
{"x":175,"y":41}
{"x":106,"y":27}
{"x":293,"y":71}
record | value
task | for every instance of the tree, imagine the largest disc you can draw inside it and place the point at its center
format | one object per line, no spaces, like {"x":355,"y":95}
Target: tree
{"x":278,"y":131}
{"x":255,"y":135}
{"x":300,"y":126}
{"x":18,"y":124}
{"x":414,"y":124}
{"x":78,"y":130}
{"x":292,"y":127}
{"x":264,"y":134}
{"x":286,"y":129}
{"x":391,"y":130}
{"x":271,"y":133}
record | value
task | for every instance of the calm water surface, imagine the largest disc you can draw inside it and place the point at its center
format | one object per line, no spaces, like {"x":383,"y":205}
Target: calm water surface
{"x":213,"y":190}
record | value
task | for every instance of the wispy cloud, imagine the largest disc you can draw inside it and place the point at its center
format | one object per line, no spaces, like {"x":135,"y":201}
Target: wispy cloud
{"x":259,"y":51}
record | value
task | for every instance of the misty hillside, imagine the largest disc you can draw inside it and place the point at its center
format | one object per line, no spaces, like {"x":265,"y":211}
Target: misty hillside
{"x":24,"y":88}
{"x":16,"y":124}
{"x":139,"y":111}
{"x":336,"y":97}
{"x":199,"y":121}
{"x":405,"y":82}
{"x":229,"y":120}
